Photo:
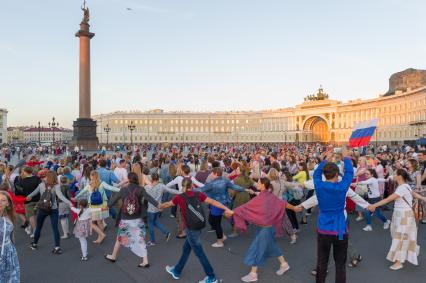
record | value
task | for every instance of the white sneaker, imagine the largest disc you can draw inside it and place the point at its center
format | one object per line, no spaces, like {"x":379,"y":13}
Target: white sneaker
{"x":217,"y":245}
{"x":32,"y":235}
{"x":359,"y":218}
{"x":293,"y":239}
{"x":386,"y":225}
{"x":251,"y":277}
{"x":208,"y":280}
{"x":283,"y":269}
{"x":28,"y":230}
{"x":396,"y":267}
{"x":368,"y":228}
{"x":65,"y":236}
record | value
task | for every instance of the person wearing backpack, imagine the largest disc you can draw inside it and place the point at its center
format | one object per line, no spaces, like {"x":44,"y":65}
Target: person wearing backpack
{"x":97,"y":198}
{"x":49,"y":192}
{"x":192,"y":212}
{"x":131,"y":229}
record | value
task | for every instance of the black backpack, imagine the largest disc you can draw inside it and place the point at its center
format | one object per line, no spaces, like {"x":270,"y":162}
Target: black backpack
{"x":46,"y":201}
{"x":195,"y":219}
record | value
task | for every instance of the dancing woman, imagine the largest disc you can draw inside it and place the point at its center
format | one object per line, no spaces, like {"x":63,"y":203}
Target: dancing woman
{"x":403,"y":228}
{"x":266,"y":211}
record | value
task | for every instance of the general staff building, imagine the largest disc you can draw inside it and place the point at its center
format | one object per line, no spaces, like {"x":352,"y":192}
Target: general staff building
{"x":401,"y":112}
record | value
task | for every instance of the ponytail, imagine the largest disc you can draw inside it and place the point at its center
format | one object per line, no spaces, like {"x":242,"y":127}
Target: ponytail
{"x":83,"y":204}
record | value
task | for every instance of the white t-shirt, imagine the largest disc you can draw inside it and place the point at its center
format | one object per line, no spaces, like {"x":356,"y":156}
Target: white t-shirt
{"x":87,"y":213}
{"x":403,"y":191}
{"x":372,"y":186}
{"x":121,"y":173}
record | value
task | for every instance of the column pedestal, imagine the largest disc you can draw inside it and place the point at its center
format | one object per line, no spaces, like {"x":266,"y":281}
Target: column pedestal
{"x":85,"y":134}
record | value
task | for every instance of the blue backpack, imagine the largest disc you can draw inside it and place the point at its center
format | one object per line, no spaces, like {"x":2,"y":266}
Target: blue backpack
{"x":96,"y":198}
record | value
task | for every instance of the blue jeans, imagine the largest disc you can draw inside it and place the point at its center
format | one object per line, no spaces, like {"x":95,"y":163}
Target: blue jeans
{"x":152,"y":223}
{"x":41,"y":216}
{"x":377,"y":212}
{"x":193,"y":242}
{"x":111,"y":210}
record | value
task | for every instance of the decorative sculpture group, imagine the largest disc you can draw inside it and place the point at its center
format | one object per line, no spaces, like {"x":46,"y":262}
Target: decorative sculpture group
{"x":320,"y":95}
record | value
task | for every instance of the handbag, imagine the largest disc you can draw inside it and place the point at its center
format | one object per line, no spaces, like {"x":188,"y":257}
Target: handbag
{"x":361,"y":190}
{"x":416,"y":207}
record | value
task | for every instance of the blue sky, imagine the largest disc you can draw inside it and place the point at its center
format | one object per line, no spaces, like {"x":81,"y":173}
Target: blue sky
{"x":202,"y":55}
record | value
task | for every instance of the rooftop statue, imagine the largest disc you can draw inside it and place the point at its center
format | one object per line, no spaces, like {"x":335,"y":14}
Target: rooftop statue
{"x":320,"y":95}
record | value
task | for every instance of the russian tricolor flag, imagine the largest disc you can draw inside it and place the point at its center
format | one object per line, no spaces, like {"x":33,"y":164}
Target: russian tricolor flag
{"x":362,"y":133}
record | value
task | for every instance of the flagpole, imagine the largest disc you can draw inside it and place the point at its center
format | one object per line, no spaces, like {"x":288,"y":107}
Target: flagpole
{"x":376,"y":137}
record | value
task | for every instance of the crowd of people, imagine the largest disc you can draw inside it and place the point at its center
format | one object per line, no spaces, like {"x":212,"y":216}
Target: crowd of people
{"x":272,"y":187}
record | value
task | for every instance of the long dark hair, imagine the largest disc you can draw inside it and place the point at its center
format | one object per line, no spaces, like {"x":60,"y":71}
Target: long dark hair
{"x":305,"y":168}
{"x":133,"y":178}
{"x":404,"y":174}
{"x":186,"y":184}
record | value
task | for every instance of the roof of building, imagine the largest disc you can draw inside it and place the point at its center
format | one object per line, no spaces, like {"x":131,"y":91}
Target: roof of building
{"x":43,"y":129}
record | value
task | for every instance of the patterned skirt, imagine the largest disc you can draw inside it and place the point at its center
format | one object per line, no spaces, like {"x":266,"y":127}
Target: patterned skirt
{"x":131,"y":234}
{"x":404,"y":237}
{"x":9,"y":265}
{"x":102,"y":214}
{"x":82,"y":228}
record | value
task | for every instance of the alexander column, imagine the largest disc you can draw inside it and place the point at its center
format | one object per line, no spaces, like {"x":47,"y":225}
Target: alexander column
{"x":85,"y":126}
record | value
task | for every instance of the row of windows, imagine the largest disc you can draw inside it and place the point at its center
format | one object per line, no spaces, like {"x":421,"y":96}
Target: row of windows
{"x":195,"y":129}
{"x":384,"y":120}
{"x":268,"y":123}
{"x":197,"y":138}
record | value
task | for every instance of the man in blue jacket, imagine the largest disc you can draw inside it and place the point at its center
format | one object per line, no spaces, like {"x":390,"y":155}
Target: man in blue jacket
{"x":217,"y":189}
{"x":332,"y":227}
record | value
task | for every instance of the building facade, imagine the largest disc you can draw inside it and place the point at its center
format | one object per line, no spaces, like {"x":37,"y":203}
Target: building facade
{"x":46,"y":136}
{"x":401,"y":114}
{"x":3,"y":125}
{"x":15,"y":134}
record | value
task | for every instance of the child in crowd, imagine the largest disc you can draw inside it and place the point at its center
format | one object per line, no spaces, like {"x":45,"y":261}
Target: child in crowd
{"x":64,"y":208}
{"x":82,"y":228}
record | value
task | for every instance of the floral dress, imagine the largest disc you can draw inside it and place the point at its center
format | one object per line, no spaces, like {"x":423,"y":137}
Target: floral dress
{"x":131,"y":234}
{"x":9,"y":263}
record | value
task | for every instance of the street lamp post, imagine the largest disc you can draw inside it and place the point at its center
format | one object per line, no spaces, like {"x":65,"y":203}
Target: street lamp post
{"x":107,"y":129}
{"x":285,"y":136}
{"x":131,"y":128}
{"x":39,"y":134}
{"x":52,"y":125}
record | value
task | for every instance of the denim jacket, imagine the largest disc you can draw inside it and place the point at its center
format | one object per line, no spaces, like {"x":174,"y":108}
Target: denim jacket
{"x":217,"y":189}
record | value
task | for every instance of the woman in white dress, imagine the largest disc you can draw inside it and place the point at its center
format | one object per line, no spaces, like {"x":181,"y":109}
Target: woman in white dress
{"x":403,"y":228}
